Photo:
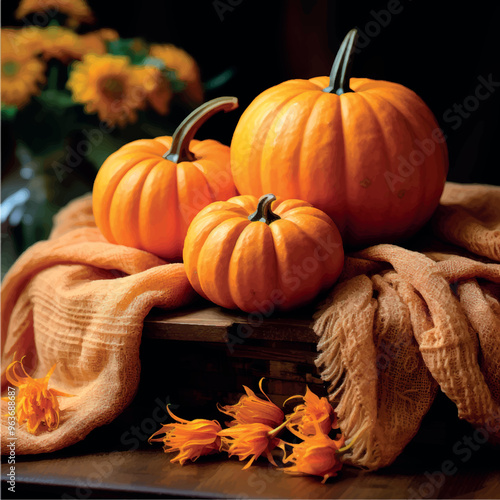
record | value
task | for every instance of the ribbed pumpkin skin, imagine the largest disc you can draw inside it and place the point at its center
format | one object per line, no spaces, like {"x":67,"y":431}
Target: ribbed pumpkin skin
{"x":256,"y":267}
{"x":144,"y":201}
{"x":350,"y":155}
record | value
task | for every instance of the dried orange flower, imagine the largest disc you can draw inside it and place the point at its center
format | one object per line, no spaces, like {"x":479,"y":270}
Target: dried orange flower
{"x":192,"y":439}
{"x":314,"y":409}
{"x":253,"y":439}
{"x":36,"y":404}
{"x":317,"y":455}
{"x":253,"y":410}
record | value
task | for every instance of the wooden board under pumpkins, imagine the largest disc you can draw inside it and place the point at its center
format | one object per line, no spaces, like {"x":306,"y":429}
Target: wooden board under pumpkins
{"x":213,"y":351}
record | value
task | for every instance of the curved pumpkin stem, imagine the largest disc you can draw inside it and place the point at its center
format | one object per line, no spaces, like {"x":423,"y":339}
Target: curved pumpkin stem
{"x":179,"y":150}
{"x":341,"y":69}
{"x":264,"y":212}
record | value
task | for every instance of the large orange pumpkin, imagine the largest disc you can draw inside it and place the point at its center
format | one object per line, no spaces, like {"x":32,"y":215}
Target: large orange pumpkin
{"x":146,"y":194}
{"x":371,"y":155}
{"x":241,"y":255}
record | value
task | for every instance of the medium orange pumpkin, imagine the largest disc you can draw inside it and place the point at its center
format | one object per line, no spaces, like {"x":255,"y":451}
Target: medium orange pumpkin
{"x":146,"y":194}
{"x":371,"y":155}
{"x":241,"y":255}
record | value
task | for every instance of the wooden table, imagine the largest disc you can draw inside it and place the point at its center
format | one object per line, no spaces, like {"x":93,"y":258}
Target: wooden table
{"x":115,"y":461}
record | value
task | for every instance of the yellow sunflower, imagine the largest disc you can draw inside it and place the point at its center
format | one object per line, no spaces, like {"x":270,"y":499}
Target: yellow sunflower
{"x":10,"y":39}
{"x":108,"y":34}
{"x":95,"y":42}
{"x":77,"y":10}
{"x":185,"y":67}
{"x":53,"y":42}
{"x":109,"y":86}
{"x":157,"y":88}
{"x":25,"y":40}
{"x":19,"y":42}
{"x":21,"y":72}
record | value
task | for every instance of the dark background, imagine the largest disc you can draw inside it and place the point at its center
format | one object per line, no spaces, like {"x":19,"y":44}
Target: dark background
{"x":438,"y":49}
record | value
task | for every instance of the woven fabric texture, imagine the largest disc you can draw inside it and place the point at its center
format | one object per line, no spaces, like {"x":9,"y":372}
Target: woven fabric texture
{"x":400,"y":323}
{"x":80,"y":301}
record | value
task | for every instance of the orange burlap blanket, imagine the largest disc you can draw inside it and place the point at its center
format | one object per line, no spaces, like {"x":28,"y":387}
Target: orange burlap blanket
{"x":398,"y":324}
{"x":80,"y":301}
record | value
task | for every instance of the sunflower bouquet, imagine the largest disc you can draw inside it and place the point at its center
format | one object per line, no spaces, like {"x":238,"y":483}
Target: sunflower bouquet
{"x":70,"y":96}
{"x":109,"y":76}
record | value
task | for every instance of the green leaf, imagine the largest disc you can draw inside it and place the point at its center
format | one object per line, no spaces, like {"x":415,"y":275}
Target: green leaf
{"x":220,"y":79}
{"x":118,"y":47}
{"x":8,"y":112}
{"x":170,"y":74}
{"x":43,"y":128}
{"x":175,"y":84}
{"x":154,"y":61}
{"x":56,"y":99}
{"x":136,"y":49}
{"x":107,"y":145}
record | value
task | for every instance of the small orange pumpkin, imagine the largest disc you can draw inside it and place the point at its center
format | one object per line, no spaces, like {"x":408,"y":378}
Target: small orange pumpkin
{"x":147,"y":193}
{"x":368,"y":153}
{"x":241,"y":255}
